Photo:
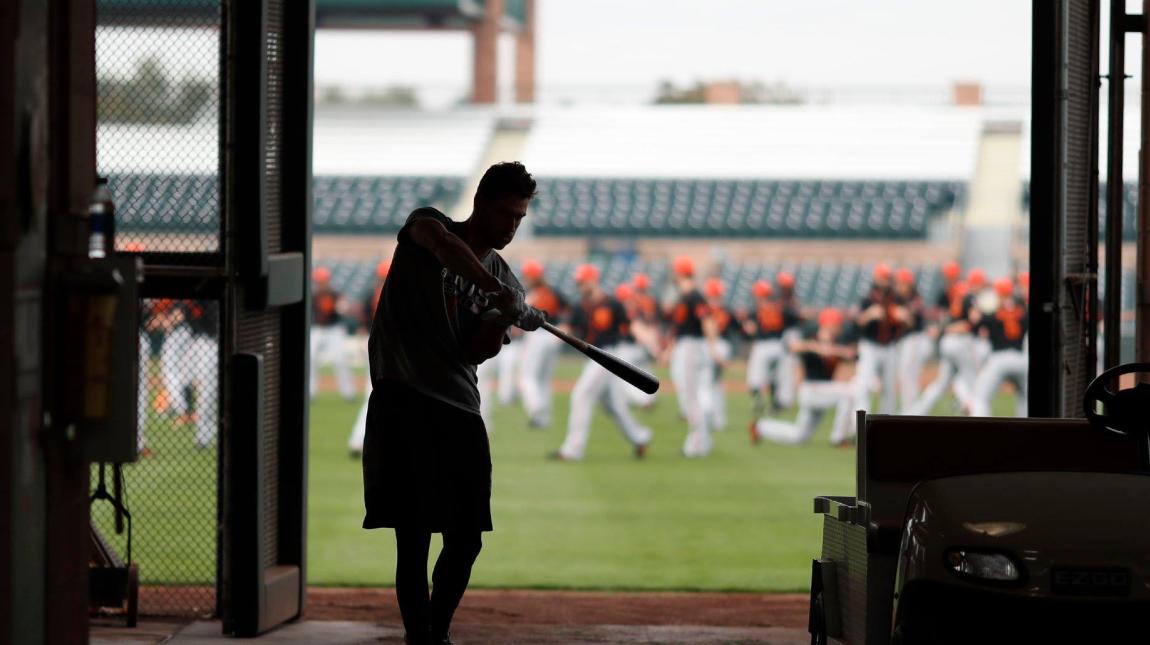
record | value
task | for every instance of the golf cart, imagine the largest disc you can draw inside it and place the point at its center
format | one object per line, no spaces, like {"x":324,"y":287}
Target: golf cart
{"x":977,"y":530}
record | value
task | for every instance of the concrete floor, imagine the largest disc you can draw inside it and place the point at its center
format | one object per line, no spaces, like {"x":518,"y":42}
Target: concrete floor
{"x":350,"y":632}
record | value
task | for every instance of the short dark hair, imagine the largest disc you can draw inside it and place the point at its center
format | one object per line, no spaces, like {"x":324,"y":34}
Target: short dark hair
{"x":506,"y":178}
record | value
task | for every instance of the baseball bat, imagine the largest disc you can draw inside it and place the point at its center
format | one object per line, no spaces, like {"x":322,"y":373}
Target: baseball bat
{"x":641,"y":379}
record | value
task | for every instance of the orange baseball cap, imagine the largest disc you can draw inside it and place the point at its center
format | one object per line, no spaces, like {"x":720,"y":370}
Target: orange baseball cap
{"x":382,"y":268}
{"x":683,"y":266}
{"x":830,"y":316}
{"x":624,"y":292}
{"x":532,"y":269}
{"x":976,"y":278}
{"x":586,"y":273}
{"x":762,"y":289}
{"x":882,"y":271}
{"x":133,"y":247}
{"x":904,"y":276}
{"x":951,"y":270}
{"x":641,"y":281}
{"x":714,"y":287}
{"x":1003,"y":287}
{"x":321,"y":274}
{"x":785,"y":279}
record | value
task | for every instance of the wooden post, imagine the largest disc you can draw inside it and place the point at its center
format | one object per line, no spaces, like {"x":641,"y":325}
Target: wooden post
{"x":485,"y":36}
{"x":525,"y":56}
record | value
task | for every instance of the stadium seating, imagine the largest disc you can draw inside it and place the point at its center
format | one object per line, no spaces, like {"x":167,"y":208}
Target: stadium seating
{"x":741,"y":208}
{"x":817,"y":283}
{"x":343,"y":203}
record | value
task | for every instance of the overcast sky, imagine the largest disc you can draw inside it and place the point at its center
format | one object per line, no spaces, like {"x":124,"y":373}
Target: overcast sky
{"x":595,"y":49}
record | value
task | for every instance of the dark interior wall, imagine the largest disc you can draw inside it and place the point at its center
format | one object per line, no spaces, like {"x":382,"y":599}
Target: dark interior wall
{"x":23,"y":222}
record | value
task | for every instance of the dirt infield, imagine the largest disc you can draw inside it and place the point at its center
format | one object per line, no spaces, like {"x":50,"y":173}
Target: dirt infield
{"x":510,"y":607}
{"x":572,"y":608}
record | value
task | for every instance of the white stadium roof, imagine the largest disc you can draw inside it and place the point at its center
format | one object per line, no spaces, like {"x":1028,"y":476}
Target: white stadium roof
{"x":785,"y":142}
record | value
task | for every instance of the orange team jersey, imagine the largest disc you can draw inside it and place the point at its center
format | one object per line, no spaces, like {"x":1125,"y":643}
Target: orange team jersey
{"x":548,"y":300}
{"x":645,"y":308}
{"x":323,"y":308}
{"x":722,"y":319}
{"x":602,"y":323}
{"x":688,"y":313}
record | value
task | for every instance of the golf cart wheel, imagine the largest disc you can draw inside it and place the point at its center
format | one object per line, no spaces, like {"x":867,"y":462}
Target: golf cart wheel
{"x":818,"y":620}
{"x":132,"y":610}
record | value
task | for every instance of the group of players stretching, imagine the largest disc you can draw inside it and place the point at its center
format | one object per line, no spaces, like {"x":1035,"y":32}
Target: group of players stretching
{"x":978,"y":330}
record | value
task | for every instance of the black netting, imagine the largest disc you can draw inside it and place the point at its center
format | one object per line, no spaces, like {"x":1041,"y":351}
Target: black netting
{"x":171,"y":490}
{"x":158,"y":98}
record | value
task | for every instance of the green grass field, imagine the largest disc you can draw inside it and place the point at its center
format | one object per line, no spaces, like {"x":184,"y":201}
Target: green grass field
{"x":738,"y":520}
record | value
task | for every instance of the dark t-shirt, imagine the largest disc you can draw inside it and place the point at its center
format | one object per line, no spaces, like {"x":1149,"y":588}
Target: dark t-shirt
{"x":426,"y":317}
{"x":817,"y":367}
{"x":323,"y":308}
{"x":774,"y":317}
{"x":687,"y":315}
{"x":602,"y":323}
{"x":1006,"y":328}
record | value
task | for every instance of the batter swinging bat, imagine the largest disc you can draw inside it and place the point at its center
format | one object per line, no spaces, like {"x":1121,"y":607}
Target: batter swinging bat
{"x":641,"y":379}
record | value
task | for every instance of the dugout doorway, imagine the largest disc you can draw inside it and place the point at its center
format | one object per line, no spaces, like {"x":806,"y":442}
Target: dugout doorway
{"x":204,"y":133}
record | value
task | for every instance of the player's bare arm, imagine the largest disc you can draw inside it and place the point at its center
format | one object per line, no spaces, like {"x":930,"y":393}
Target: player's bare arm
{"x":453,"y":253}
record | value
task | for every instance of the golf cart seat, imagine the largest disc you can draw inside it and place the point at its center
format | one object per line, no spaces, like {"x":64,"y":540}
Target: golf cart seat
{"x":861,"y":534}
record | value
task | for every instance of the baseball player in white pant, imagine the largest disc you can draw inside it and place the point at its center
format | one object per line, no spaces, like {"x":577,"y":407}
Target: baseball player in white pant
{"x":820,"y":347}
{"x":767,"y":365}
{"x":720,"y":351}
{"x":507,"y":368}
{"x":203,"y":362}
{"x":1005,"y":332}
{"x":328,"y":336}
{"x":691,"y":365}
{"x":914,"y":347}
{"x":956,"y":366}
{"x":368,"y":310}
{"x":881,"y":321}
{"x":643,"y":311}
{"x":173,"y":354}
{"x":600,"y":320}
{"x":540,"y":349}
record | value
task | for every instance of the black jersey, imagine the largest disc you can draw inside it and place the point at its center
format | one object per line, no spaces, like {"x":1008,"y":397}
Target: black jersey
{"x":773,"y":317}
{"x":817,"y":367}
{"x":885,"y":329}
{"x":1006,"y":328}
{"x":602,"y":322}
{"x":549,"y":300}
{"x":724,"y":322}
{"x":202,"y":318}
{"x":688,"y":313}
{"x":323,"y":308}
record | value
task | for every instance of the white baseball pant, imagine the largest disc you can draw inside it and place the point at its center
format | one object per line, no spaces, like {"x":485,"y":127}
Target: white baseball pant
{"x":1000,"y":365}
{"x":816,"y":398}
{"x":359,"y":428}
{"x":597,"y":385}
{"x":144,"y":390}
{"x":877,"y":362}
{"x":539,"y":352}
{"x":507,"y":362}
{"x":485,"y":378}
{"x":691,"y":374}
{"x":913,"y":350}
{"x":956,"y":369}
{"x":787,"y":384}
{"x":765,"y":363}
{"x":329,"y":344}
{"x":173,"y":367}
{"x":714,"y":399}
{"x":203,"y":354}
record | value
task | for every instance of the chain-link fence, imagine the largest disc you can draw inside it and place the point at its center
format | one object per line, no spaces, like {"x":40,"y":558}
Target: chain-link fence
{"x":158,"y":101}
{"x":171,"y":490}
